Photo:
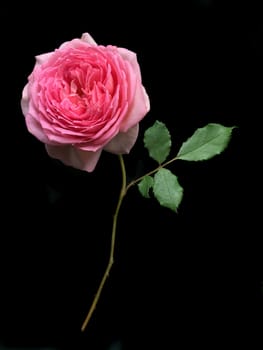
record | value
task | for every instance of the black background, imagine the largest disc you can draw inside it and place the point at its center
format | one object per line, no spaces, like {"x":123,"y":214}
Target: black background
{"x":179,"y":280}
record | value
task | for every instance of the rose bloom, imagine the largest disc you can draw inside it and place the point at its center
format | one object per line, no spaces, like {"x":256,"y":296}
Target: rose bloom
{"x":84,"y":98}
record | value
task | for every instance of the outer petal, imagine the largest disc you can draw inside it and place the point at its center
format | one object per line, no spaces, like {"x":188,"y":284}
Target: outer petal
{"x":131,"y":57}
{"x":35,"y":128}
{"x":32,"y":123}
{"x":88,"y":39}
{"x":25,"y":100}
{"x":139,"y":108}
{"x":40,"y":59}
{"x":123,"y":141}
{"x":72,"y":156}
{"x":141,"y":104}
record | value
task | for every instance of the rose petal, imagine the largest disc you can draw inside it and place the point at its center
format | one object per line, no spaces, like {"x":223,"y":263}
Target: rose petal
{"x":131,"y":57}
{"x":123,"y":142}
{"x":35,"y":128}
{"x":141,"y":103}
{"x":32,"y":123}
{"x":88,"y":39}
{"x":43,"y":58}
{"x":25,"y":100}
{"x":139,"y":108}
{"x":72,"y":156}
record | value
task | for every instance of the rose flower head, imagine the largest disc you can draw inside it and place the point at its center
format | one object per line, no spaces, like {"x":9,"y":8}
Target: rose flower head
{"x":83,"y":98}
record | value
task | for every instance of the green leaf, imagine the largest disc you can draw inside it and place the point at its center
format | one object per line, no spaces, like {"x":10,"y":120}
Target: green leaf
{"x":205,"y":143}
{"x":157,"y":140}
{"x":145,"y":185}
{"x":167,"y":189}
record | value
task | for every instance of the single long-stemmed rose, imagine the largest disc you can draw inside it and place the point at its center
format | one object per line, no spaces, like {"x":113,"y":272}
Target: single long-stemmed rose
{"x":84,"y":98}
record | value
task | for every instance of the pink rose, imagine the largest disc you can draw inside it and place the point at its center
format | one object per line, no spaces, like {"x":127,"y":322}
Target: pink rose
{"x":84,"y":98}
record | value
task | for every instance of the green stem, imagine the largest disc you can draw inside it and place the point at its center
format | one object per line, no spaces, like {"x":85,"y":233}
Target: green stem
{"x":112,"y":248}
{"x":124,"y":189}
